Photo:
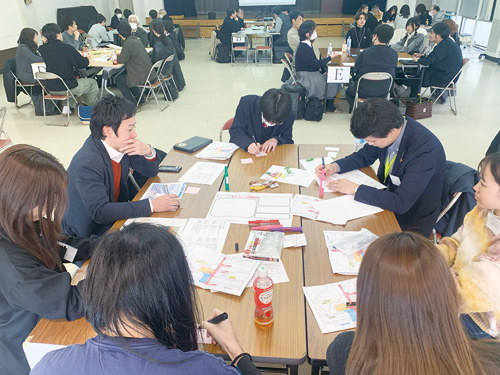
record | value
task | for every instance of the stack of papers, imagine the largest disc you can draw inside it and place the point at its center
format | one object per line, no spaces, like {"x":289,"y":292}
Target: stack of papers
{"x":328,"y":304}
{"x":355,"y":176}
{"x":175,"y":225}
{"x":275,"y":270}
{"x":346,"y":249}
{"x":201,"y":236}
{"x":288,"y":175}
{"x":217,"y":151}
{"x":302,"y":206}
{"x":311,"y":164}
{"x":339,"y":211}
{"x":157,"y":189}
{"x":203,"y":173}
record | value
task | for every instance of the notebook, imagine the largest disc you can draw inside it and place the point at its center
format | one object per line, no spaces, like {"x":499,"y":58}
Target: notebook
{"x":192,"y":144}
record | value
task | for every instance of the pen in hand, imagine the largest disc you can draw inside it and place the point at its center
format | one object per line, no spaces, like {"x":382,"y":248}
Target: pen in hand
{"x":218,"y":319}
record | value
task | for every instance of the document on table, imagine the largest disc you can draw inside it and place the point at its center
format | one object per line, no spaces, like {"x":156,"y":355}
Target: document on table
{"x":311,"y":164}
{"x":276,"y":271}
{"x":342,"y":263}
{"x":348,"y":64}
{"x":291,"y":176}
{"x":202,"y":236}
{"x":355,"y":176}
{"x":342,"y":209}
{"x":203,"y":173}
{"x":302,"y":206}
{"x":328,"y":304}
{"x":158,"y":189}
{"x":217,"y":151}
{"x":175,"y":225}
{"x":34,"y":351}
{"x":242,"y":207}
{"x":294,"y":240}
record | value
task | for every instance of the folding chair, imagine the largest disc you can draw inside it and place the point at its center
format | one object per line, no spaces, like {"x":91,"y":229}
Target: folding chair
{"x":170,"y":77}
{"x":23,"y":86}
{"x":4,"y":143}
{"x":289,"y":59}
{"x":290,"y":70}
{"x":374,"y":77}
{"x":264,"y":48}
{"x":451,"y":88}
{"x":41,"y":77}
{"x":227,"y":125}
{"x":239,"y":38}
{"x":153,"y":86}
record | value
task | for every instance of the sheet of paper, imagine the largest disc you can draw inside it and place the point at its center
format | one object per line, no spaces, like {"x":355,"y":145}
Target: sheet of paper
{"x":302,"y":206}
{"x":217,"y":151}
{"x":103,"y":59}
{"x":157,"y":189}
{"x":204,"y":236}
{"x":355,"y":176}
{"x":34,"y":351}
{"x":328,"y":304}
{"x":203,"y":173}
{"x":341,"y":263}
{"x":246,"y":161}
{"x":295,"y":177}
{"x":295,"y":240}
{"x":276,"y":271}
{"x":260,"y":153}
{"x":332,"y":149}
{"x":241,"y":207}
{"x":332,"y":154}
{"x":71,"y":268}
{"x":192,"y":190}
{"x":354,"y":243}
{"x":342,"y":209}
{"x":311,"y":164}
{"x":175,"y":225}
{"x":201,"y":336}
{"x":348,"y":64}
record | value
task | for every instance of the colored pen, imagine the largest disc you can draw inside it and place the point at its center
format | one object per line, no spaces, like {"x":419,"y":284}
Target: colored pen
{"x":254,"y":140}
{"x":322,"y":184}
{"x":350,"y":304}
{"x":267,"y":227}
{"x":226,"y":178}
{"x":218,"y":319}
{"x":236,"y":247}
{"x":323,"y":162}
{"x":287,"y":229}
{"x":263,"y":222}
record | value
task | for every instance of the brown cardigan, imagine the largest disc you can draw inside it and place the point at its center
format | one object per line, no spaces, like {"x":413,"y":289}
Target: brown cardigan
{"x":136,"y":60}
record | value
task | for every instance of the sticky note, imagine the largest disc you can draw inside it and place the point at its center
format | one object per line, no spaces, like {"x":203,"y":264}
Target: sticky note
{"x":260,"y":153}
{"x":332,"y":149}
{"x":192,"y":190}
{"x":332,"y":154}
{"x":246,"y":161}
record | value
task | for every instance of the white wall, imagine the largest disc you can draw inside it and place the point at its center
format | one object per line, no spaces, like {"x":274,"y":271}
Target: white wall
{"x":13,"y":23}
{"x":142,"y":8}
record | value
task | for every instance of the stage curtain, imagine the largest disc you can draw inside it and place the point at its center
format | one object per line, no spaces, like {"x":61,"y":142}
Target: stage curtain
{"x":186,"y":8}
{"x":351,"y":6}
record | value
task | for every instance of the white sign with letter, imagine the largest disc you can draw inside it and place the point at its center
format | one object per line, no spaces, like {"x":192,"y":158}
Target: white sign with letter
{"x":338,"y":74}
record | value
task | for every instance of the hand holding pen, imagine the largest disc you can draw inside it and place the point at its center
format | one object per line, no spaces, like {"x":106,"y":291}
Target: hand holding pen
{"x":254,"y":148}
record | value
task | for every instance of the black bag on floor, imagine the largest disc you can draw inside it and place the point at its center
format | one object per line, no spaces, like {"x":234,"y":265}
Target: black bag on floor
{"x":50,"y":108}
{"x":222,"y":54}
{"x":279,"y":53}
{"x":172,"y":89}
{"x":298,"y":94}
{"x":314,"y":110}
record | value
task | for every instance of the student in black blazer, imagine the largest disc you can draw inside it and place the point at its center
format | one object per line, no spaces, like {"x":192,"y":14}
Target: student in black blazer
{"x":229,"y":26}
{"x":262,"y":123}
{"x":412,"y":165}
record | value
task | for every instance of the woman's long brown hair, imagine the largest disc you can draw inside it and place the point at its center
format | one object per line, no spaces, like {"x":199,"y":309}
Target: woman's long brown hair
{"x":408,"y":313}
{"x":32,"y":179}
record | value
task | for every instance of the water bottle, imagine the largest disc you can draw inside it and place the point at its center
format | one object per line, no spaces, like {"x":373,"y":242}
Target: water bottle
{"x":358,"y":144}
{"x":348,"y":50}
{"x":263,"y":295}
{"x":330,"y":49}
{"x":114,"y":58}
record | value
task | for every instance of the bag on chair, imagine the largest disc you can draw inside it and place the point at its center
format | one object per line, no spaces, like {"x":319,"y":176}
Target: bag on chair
{"x":314,"y":110}
{"x":223,"y":54}
{"x":298,"y":94}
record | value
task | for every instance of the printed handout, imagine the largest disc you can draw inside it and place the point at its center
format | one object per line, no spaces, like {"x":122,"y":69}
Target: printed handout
{"x":175,"y":225}
{"x":158,"y":189}
{"x":355,"y":176}
{"x":203,"y":173}
{"x":342,"y":209}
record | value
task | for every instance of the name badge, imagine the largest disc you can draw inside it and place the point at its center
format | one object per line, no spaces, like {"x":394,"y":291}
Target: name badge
{"x":71,"y":251}
{"x":493,"y":223}
{"x":395,"y":180}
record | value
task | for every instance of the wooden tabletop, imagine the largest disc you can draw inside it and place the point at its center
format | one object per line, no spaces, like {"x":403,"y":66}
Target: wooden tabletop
{"x":317,"y":269}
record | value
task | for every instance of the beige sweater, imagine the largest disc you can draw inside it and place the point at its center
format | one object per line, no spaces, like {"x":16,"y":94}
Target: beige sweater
{"x":474,"y":254}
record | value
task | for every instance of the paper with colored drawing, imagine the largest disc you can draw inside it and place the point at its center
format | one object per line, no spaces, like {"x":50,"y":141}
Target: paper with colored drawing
{"x":217,"y":151}
{"x":276,"y":271}
{"x":202,"y":236}
{"x":156,"y":190}
{"x":328,"y":304}
{"x":302,"y":206}
{"x":355,"y":176}
{"x":288,"y":175}
{"x":342,"y":209}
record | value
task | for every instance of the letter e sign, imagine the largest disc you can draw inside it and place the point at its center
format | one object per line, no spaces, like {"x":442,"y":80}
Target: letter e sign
{"x":338,"y":74}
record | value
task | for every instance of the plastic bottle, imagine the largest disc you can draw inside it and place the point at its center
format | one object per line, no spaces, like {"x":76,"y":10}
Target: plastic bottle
{"x":348,"y":50}
{"x":263,"y":295}
{"x":344,"y":47}
{"x":358,"y":144}
{"x":114,"y":58}
{"x":330,"y":49}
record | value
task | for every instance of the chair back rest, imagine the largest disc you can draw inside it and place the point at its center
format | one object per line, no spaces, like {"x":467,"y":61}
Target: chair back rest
{"x":167,"y":60}
{"x":379,"y":82}
{"x":227,"y":125}
{"x":47,"y":76}
{"x":155,"y":68}
{"x":457,"y":76}
{"x":3,"y":112}
{"x":289,"y":68}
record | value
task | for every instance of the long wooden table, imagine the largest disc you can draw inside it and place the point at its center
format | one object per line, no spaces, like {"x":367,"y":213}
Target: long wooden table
{"x":317,"y":269}
{"x":285,"y":342}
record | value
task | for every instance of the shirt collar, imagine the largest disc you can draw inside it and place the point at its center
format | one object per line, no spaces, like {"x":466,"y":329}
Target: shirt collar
{"x":114,"y":155}
{"x":308,"y":42}
{"x":397,"y":143}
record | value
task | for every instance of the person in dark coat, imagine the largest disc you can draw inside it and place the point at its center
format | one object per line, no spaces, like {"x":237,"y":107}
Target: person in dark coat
{"x":412,"y":165}
{"x":164,"y":48}
{"x":361,"y":36}
{"x":98,"y":193}
{"x":116,"y":19}
{"x":240,"y":14}
{"x":282,"y":25}
{"x":389,"y":16}
{"x":178,"y":48}
{"x":229,"y":26}
{"x":371,"y":20}
{"x":378,"y":58}
{"x":137,"y":30}
{"x":34,"y":283}
{"x":423,"y":15}
{"x":262,"y":123}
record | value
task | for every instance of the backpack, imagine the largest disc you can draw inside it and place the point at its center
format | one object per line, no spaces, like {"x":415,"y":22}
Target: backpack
{"x":222,"y":54}
{"x":314,"y":110}
{"x":298,"y":94}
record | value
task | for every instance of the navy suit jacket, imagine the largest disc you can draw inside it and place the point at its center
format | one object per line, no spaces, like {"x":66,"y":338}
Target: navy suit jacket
{"x":91,"y":207}
{"x":420,"y":166}
{"x":248,"y":122}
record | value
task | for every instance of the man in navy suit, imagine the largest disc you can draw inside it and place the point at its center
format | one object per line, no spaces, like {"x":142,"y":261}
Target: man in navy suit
{"x":98,"y":192}
{"x":262,"y":123}
{"x":412,"y":165}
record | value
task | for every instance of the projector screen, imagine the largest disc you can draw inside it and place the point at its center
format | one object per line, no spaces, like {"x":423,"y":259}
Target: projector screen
{"x":249,"y":3}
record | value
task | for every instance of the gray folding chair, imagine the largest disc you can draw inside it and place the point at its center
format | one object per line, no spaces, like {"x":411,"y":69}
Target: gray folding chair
{"x":239,"y":38}
{"x":153,"y":86}
{"x":379,"y":77}
{"x":4,"y":142}
{"x":170,"y":77}
{"x":24,"y":86}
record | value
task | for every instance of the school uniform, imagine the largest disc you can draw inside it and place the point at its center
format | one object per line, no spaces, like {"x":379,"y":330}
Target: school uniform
{"x":360,"y":37}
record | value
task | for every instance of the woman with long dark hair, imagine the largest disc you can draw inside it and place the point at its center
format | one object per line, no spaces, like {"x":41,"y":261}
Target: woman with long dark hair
{"x":33,"y":281}
{"x":390,"y":15}
{"x":402,"y":18}
{"x":26,"y":54}
{"x":141,"y":301}
{"x":407,"y":317}
{"x":423,"y":15}
{"x":413,"y":41}
{"x":361,"y":36}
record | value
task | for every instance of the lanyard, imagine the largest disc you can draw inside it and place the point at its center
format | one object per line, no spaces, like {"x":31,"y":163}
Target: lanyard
{"x":388,"y":165}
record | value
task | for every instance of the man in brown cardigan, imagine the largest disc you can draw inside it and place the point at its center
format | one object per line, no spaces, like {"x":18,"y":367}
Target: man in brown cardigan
{"x":137,"y":64}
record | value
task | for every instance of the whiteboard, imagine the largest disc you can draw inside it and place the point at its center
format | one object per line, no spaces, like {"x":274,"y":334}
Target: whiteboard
{"x":250,"y":3}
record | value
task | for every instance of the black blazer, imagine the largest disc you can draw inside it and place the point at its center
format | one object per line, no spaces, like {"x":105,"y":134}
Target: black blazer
{"x":444,"y":63}
{"x":228,"y":27}
{"x":419,"y":166}
{"x":248,"y":122}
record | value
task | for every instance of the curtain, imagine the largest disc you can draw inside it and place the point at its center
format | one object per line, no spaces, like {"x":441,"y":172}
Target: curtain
{"x":186,"y":8}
